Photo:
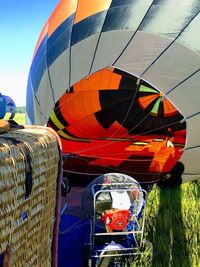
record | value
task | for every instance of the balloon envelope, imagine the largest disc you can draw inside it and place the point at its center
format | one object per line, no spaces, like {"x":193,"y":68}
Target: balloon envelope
{"x":119,"y":82}
{"x":10,"y":106}
{"x":2,"y":106}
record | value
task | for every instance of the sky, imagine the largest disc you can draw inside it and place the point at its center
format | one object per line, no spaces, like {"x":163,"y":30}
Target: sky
{"x":21,"y":22}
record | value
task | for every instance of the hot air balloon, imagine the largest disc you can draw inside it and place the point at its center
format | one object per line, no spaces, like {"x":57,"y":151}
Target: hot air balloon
{"x":2,"y":106}
{"x":10,"y":106}
{"x":7,"y":105}
{"x":119,"y":82}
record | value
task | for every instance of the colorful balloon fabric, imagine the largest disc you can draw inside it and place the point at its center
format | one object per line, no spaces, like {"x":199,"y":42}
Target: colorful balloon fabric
{"x":7,"y":105}
{"x":119,"y":82}
{"x":2,"y":106}
{"x":10,"y":106}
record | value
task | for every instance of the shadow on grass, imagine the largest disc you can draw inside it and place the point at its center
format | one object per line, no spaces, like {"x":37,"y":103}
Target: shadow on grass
{"x":168,"y":236}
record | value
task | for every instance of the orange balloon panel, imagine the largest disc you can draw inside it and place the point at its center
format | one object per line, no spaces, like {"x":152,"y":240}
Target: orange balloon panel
{"x":169,"y":109}
{"x":89,"y":8}
{"x":104,"y":128}
{"x":146,"y":100}
{"x":63,"y":11}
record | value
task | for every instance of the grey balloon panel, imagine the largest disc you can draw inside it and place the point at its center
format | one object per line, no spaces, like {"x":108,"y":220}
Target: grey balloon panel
{"x":30,"y":116}
{"x":81,"y":58}
{"x":193,"y":130}
{"x":172,"y":67}
{"x":35,"y":109}
{"x":190,"y":160}
{"x":189,"y":37}
{"x":169,"y":18}
{"x":189,"y":177}
{"x":186,"y":96}
{"x":143,"y":49}
{"x":110,"y":45}
{"x":39,"y":117}
{"x":59,"y":75}
{"x":45,"y":96}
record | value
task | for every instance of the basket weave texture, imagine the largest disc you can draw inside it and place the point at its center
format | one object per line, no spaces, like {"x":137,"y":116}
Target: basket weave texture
{"x":27,"y":219}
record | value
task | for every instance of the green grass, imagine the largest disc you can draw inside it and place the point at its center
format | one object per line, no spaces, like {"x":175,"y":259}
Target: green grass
{"x":19,"y":118}
{"x":173,"y":226}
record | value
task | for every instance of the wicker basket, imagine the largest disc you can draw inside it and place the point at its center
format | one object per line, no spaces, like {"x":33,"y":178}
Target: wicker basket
{"x":29,"y":168}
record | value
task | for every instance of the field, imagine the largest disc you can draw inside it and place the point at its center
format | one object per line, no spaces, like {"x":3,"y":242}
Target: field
{"x":19,"y":118}
{"x":172,"y":225}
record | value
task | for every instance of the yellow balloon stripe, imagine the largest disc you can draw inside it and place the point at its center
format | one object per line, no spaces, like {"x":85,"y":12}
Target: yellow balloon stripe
{"x":61,"y":127}
{"x":56,"y":121}
{"x":61,"y":133}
